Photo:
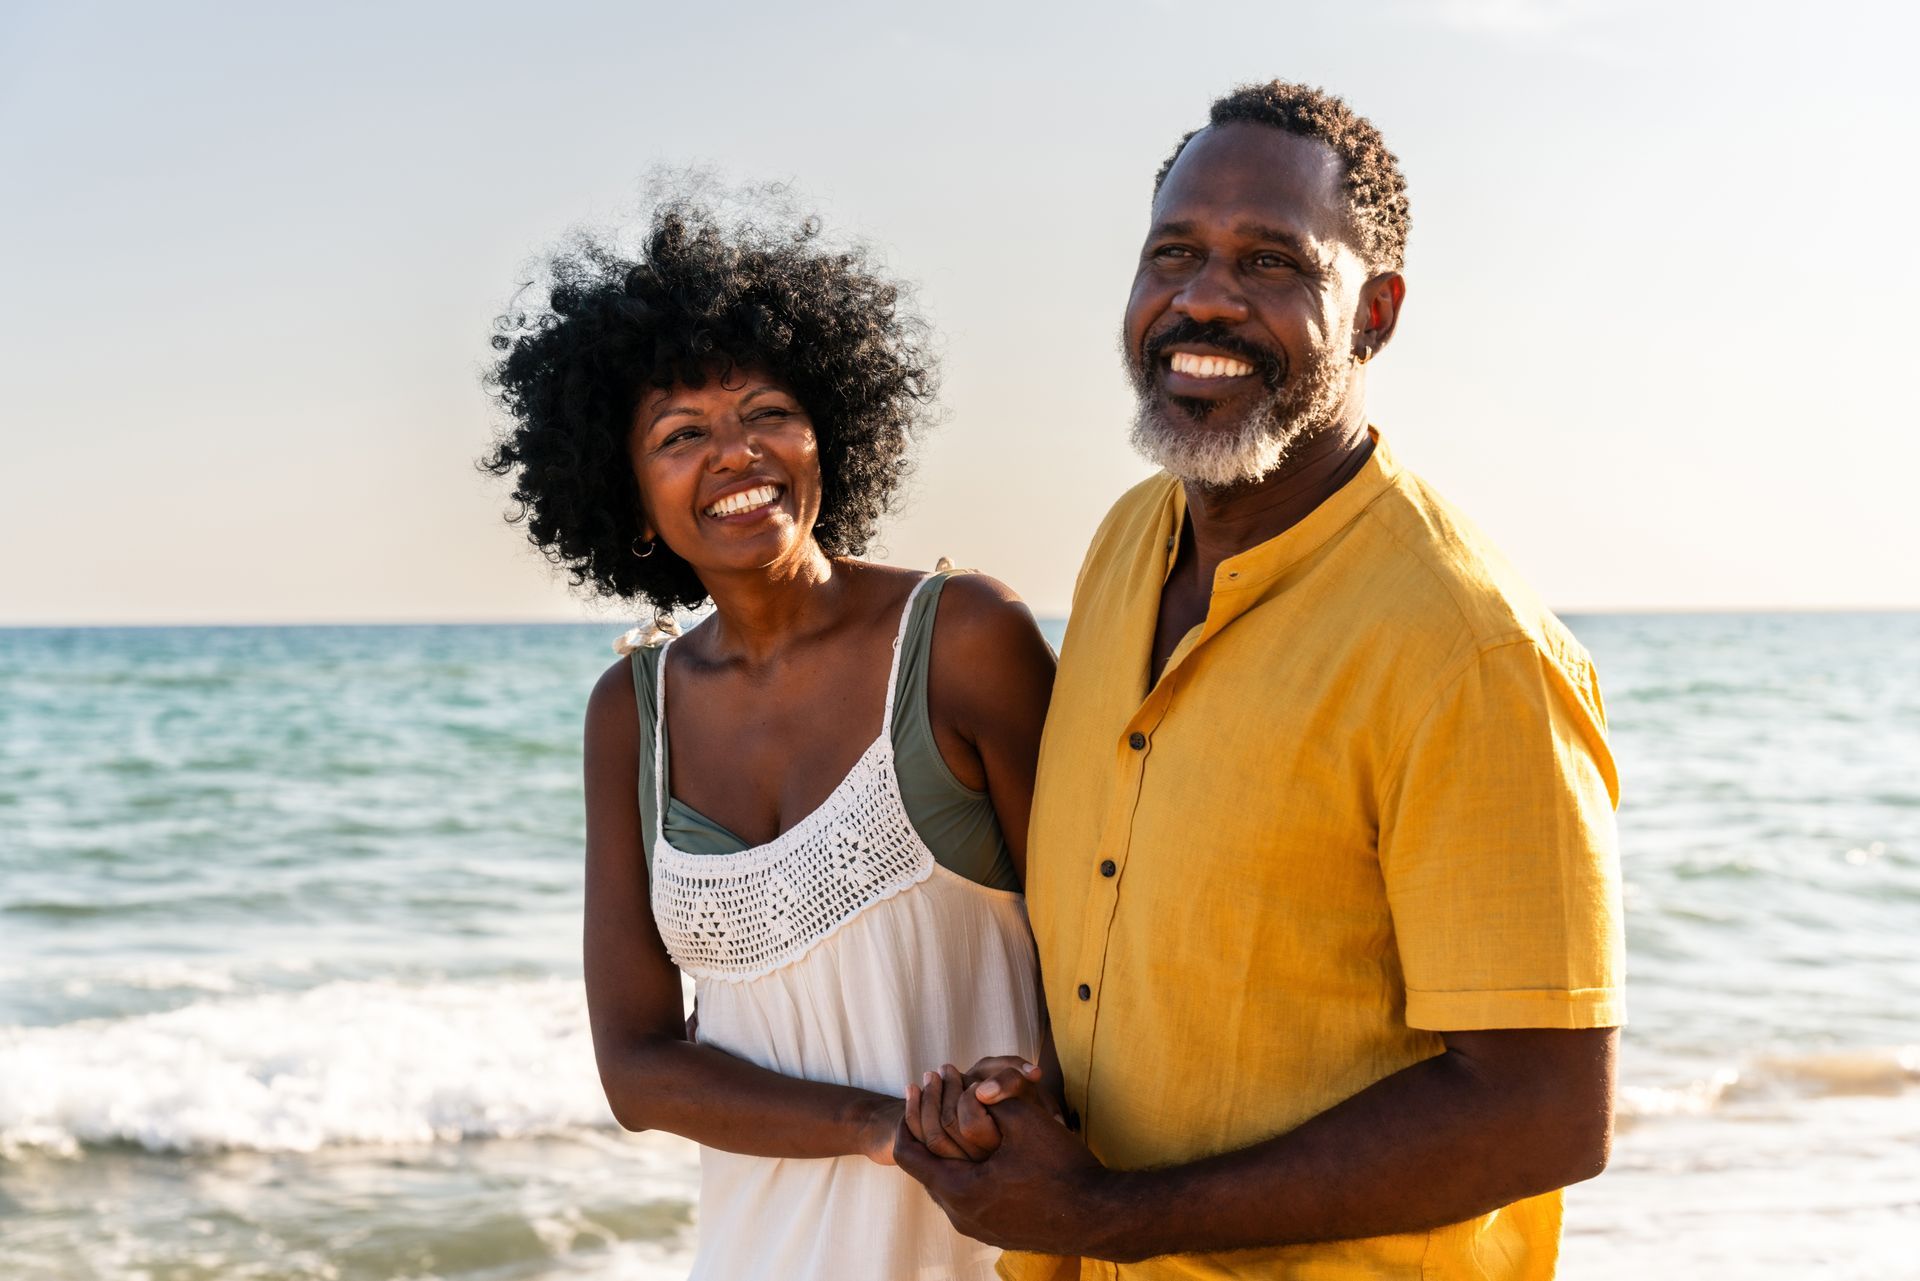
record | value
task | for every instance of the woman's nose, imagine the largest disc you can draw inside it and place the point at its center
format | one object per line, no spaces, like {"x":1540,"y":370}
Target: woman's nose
{"x":734,"y":446}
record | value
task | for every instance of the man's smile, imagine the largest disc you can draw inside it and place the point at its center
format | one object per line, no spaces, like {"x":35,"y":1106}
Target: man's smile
{"x":1195,"y":374}
{"x":1206,"y":362}
{"x":1181,"y":362}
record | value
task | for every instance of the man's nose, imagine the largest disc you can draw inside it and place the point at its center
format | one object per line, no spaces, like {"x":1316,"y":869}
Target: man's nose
{"x":1212,"y":294}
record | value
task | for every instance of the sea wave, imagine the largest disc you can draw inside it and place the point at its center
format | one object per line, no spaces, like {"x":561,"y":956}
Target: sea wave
{"x":1883,"y":1071}
{"x":343,"y":1063}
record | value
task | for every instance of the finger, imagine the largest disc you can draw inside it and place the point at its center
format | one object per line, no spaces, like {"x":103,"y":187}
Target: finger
{"x":977,"y":1129}
{"x":1024,"y":1120}
{"x":951,"y":1091}
{"x":991,"y":1065}
{"x":932,"y":1130}
{"x":929,"y":1110}
{"x":912,"y":1117}
{"x":1005,"y":1084}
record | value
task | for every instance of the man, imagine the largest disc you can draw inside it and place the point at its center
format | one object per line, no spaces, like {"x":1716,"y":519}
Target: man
{"x":1322,"y":865}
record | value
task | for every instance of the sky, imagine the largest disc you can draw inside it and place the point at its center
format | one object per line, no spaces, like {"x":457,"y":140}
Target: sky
{"x":1657,"y":338}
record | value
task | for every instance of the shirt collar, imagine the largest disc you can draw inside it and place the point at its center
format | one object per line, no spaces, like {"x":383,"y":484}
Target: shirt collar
{"x":1261,"y":563}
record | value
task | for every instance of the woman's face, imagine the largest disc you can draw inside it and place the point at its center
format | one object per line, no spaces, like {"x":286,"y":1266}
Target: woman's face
{"x":729,"y":473}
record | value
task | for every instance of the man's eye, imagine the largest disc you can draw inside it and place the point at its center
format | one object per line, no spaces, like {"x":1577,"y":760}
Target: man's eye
{"x":1272,"y":262}
{"x":1172,"y":252}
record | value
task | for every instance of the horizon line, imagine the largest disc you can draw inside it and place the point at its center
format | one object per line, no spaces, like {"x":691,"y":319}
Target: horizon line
{"x":586,"y":620}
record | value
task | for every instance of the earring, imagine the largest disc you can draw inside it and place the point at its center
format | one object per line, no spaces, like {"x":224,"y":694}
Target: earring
{"x":637,"y":553}
{"x":1363,"y":355}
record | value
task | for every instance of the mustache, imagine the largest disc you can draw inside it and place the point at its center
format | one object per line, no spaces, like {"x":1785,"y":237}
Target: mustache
{"x":1270,"y":365}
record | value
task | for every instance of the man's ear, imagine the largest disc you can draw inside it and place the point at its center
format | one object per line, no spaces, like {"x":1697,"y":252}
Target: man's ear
{"x":1378,"y":313}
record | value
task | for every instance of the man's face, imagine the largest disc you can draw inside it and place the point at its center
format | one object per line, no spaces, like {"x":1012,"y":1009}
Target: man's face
{"x":1239,"y":329}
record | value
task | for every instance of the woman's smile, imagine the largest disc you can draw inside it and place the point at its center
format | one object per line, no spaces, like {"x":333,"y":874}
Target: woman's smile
{"x":743,"y":504}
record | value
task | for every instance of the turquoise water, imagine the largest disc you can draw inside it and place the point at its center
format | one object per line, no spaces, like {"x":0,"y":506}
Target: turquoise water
{"x":289,"y":984}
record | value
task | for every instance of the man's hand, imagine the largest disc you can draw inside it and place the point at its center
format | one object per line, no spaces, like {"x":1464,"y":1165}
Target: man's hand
{"x":1038,"y":1190}
{"x":1007,"y":1076}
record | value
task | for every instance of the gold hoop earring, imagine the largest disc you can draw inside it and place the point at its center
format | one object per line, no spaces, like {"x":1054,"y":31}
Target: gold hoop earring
{"x":637,"y":553}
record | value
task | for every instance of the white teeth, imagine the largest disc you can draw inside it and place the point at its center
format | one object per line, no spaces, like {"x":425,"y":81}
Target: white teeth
{"x":1184,"y":362}
{"x":744,"y":501}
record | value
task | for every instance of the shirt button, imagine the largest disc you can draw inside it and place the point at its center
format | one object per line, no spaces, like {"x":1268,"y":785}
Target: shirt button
{"x":1106,"y":867}
{"x":1086,"y":993}
{"x":1136,"y":740}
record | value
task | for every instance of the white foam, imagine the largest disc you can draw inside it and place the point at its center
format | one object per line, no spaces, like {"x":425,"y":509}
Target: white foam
{"x":1878,"y":1071}
{"x":1696,"y":1098}
{"x":360,"y":1062}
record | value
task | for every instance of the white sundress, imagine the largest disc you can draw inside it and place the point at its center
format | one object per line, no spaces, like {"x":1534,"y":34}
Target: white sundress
{"x":840,"y":951}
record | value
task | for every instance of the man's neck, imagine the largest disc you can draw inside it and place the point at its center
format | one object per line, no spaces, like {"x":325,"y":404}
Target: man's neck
{"x":1225,"y":522}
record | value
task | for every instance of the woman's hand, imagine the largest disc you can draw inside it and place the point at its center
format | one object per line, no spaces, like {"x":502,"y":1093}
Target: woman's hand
{"x":878,"y":1131}
{"x":947,"y":1111}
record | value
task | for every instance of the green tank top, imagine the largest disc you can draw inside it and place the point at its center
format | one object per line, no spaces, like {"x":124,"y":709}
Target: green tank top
{"x":957,"y":823}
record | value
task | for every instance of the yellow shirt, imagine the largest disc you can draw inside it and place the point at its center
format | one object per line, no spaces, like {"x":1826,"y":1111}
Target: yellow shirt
{"x":1370,"y":800}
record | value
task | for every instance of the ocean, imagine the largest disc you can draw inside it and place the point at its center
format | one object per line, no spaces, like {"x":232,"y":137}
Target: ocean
{"x":289,"y":977}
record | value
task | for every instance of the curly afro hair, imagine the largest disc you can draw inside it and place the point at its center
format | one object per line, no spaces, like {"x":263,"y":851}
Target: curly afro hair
{"x":697,"y":299}
{"x":1376,"y":189}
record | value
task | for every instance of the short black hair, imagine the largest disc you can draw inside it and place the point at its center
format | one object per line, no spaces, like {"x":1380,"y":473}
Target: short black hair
{"x":1376,"y":189}
{"x":701,"y":296}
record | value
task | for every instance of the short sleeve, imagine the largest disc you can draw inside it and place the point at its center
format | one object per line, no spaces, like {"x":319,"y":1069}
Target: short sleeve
{"x":1498,"y":846}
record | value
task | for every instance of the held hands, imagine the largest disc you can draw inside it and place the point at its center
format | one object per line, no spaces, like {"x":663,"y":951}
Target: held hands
{"x":947,"y":1111}
{"x":1033,"y":1186}
{"x":1013,"y":1176}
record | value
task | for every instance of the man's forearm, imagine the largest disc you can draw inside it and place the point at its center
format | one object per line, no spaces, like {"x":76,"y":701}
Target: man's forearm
{"x":1512,"y":1115}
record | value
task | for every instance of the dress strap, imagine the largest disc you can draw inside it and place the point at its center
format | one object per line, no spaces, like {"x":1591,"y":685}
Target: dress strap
{"x":893,"y":671}
{"x":660,"y":740}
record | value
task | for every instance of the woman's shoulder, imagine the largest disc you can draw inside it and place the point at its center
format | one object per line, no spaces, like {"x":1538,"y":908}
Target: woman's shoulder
{"x":617,"y":701}
{"x":985,"y":640}
{"x":975,"y":610}
{"x":613,"y":708}
{"x":979,"y":611}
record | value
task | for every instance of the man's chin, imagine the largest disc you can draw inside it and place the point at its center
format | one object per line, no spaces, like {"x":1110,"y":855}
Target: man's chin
{"x":1197,"y":408}
{"x":1230,"y":451}
{"x":1210,"y":410}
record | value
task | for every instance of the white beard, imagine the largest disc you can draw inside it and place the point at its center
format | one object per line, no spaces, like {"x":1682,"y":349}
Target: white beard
{"x":1222,"y":456}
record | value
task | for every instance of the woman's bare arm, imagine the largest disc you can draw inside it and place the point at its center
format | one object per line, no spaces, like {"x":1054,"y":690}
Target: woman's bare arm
{"x":989,"y":680}
{"x":655,"y":1078}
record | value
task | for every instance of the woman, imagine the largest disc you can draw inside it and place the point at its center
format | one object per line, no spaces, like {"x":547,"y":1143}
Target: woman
{"x":815,"y":802}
